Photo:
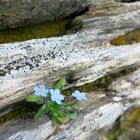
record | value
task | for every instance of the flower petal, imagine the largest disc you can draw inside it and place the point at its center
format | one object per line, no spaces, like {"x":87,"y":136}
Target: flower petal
{"x":42,"y":87}
{"x":58,"y":102}
{"x":61,"y":97}
{"x":74,"y":94}
{"x":57,"y":91}
{"x":36,"y":89}
{"x":37,"y":93}
{"x":79,"y":96}
{"x":47,"y":91}
{"x":53,"y":98}
{"x":83,"y":94}
{"x":43,"y":95}
{"x":77,"y":91}
{"x":52,"y":91}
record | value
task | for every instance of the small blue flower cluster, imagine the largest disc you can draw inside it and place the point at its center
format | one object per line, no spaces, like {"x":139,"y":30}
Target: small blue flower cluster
{"x":56,"y":96}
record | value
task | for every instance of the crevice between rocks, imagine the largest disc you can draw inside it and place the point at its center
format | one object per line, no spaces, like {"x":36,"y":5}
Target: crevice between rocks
{"x":24,"y":110}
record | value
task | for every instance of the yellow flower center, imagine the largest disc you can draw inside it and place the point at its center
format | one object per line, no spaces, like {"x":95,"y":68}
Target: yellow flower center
{"x":41,"y":91}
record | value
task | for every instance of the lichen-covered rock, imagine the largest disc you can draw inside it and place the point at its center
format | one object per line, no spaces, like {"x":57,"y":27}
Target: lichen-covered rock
{"x":82,"y":57}
{"x":94,"y":115}
{"x":127,"y":82}
{"x":129,"y":38}
{"x":15,"y":13}
{"x":130,"y":124}
{"x":127,"y":127}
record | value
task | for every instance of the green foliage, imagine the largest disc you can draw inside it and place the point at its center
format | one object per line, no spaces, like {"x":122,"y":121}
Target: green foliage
{"x":57,"y":112}
{"x":43,"y":109}
{"x":69,"y":108}
{"x":32,"y":98}
{"x":71,"y":115}
{"x":60,"y":84}
{"x":77,"y":106}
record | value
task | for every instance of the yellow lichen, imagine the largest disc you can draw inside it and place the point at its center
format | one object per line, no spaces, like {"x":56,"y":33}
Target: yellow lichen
{"x":129,"y":38}
{"x":132,"y":119}
{"x":128,"y":121}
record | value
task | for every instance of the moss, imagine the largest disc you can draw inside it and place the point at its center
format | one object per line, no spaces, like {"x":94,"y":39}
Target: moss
{"x":22,"y":109}
{"x":34,"y":32}
{"x":133,"y":118}
{"x":12,"y":115}
{"x":129,"y":38}
{"x":101,"y":83}
{"x":129,"y":120}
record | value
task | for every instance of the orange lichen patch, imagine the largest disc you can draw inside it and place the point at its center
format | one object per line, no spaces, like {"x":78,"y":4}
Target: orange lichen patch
{"x":129,"y":38}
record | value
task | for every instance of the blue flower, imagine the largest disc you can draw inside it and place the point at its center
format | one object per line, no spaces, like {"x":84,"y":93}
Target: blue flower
{"x":56,"y":96}
{"x":79,"y":95}
{"x":41,"y":91}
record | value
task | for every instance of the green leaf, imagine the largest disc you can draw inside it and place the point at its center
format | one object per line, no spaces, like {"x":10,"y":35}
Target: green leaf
{"x":32,"y":98}
{"x":53,"y":105}
{"x":61,"y":119}
{"x":71,"y":116}
{"x":60,"y":84}
{"x":69,"y":108}
{"x":43,"y":109}
{"x":77,"y":106}
{"x":65,"y":104}
{"x":59,"y":116}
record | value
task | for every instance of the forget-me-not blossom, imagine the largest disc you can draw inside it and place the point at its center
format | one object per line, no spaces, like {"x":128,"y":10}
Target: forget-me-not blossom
{"x":56,"y":96}
{"x":79,"y":95}
{"x":41,"y":91}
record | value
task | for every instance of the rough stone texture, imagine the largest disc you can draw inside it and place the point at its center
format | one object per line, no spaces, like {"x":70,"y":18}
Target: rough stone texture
{"x":126,"y":127}
{"x":95,"y":114}
{"x":16,"y":13}
{"x":81,"y":59}
{"x":127,"y":82}
{"x":99,"y":112}
{"x":130,"y":122}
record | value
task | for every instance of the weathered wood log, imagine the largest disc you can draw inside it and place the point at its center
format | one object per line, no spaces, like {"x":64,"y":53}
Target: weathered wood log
{"x":83,"y":57}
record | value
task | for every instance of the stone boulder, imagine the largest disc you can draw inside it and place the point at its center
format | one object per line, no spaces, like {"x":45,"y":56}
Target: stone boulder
{"x":17,"y":13}
{"x":93,"y":60}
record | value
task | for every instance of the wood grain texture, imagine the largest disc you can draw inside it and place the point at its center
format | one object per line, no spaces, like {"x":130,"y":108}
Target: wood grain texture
{"x":83,"y":57}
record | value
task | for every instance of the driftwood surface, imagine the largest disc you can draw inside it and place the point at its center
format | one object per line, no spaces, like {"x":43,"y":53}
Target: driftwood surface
{"x":82,"y":57}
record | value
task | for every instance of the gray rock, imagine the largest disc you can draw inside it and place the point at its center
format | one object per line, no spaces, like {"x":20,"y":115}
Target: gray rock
{"x":84,"y":57}
{"x":94,"y":115}
{"x":126,"y":127}
{"x":16,"y":13}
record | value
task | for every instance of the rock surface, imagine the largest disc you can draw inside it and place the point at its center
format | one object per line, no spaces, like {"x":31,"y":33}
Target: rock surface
{"x":82,"y":57}
{"x":95,"y":114}
{"x":126,"y":127}
{"x":99,"y":112}
{"x":15,"y":13}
